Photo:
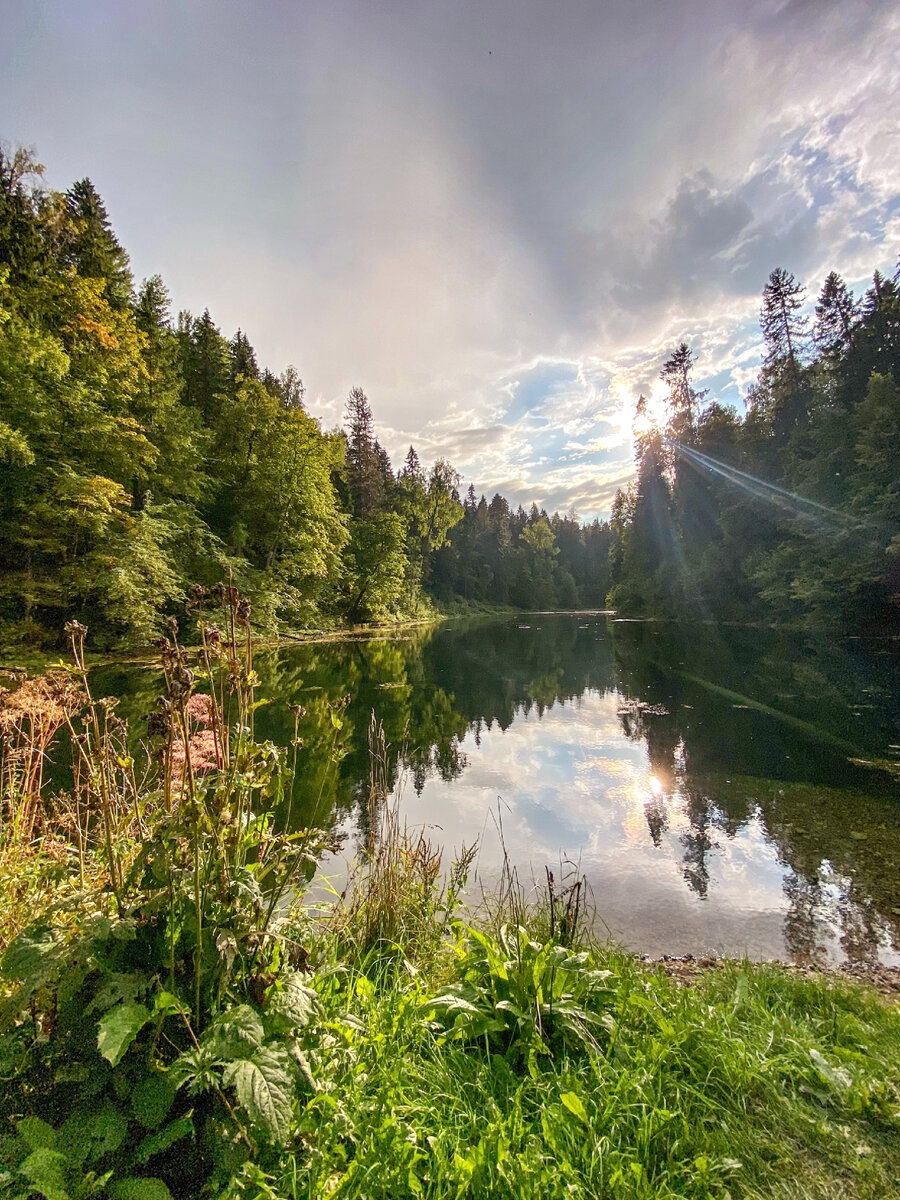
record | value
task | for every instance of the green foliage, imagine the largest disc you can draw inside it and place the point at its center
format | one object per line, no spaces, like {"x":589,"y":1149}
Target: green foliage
{"x":523,"y":997}
{"x":791,"y":514}
{"x":162,"y":1005}
{"x":140,"y":457}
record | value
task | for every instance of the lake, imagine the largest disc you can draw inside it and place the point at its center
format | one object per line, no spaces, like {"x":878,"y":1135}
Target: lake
{"x":701,"y":778}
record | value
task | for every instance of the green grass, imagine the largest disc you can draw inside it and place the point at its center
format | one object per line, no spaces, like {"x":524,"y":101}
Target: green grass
{"x":753,"y":1082}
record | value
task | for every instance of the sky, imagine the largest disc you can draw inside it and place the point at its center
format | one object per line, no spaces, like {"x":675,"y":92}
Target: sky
{"x":495,"y":216}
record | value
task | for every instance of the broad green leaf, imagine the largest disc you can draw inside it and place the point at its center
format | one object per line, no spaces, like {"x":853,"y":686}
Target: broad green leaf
{"x":33,"y":958}
{"x":118,"y":988}
{"x":451,"y":1004}
{"x":575,"y":1105}
{"x":152,"y":1098}
{"x":45,"y":1171}
{"x":119,"y":1028}
{"x":108,"y":1129}
{"x":295,"y":1001}
{"x":264,"y":1090}
{"x":30,"y":954}
{"x":364,"y":987}
{"x":74,"y":1139}
{"x":166,"y":1002}
{"x":162,"y":1139}
{"x":36,"y":1134}
{"x":134,"y":1188}
{"x":236,"y":1034}
{"x":196,"y":1068}
{"x":839,"y":1077}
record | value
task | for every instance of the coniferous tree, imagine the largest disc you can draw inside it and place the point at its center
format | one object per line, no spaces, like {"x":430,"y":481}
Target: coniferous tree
{"x":91,"y":247}
{"x":783,"y":325}
{"x":837,"y":316}
{"x":412,"y":468}
{"x":785,"y":332}
{"x":364,"y":466}
{"x":205,"y":364}
{"x":684,"y":400}
{"x":22,"y":239}
{"x":243,"y":359}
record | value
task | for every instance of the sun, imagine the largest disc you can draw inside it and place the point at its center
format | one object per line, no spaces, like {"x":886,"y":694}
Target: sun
{"x":642,"y":425}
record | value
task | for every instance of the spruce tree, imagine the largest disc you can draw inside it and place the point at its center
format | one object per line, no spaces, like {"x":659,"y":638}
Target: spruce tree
{"x":783,"y":325}
{"x":91,"y":247}
{"x":837,"y":316}
{"x":684,"y":400}
{"x":243,"y":359}
{"x":412,"y":467}
{"x":22,"y":246}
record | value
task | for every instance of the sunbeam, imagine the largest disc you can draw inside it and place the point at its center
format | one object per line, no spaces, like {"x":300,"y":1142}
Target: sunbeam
{"x":798,"y":506}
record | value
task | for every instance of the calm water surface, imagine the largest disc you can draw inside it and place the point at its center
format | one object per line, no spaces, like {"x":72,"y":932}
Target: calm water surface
{"x":702,"y":776}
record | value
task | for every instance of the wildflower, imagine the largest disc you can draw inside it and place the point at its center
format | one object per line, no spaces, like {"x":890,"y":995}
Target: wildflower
{"x":200,"y":708}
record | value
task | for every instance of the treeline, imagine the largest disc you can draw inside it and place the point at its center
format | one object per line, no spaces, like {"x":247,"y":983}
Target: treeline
{"x":791,"y":514}
{"x":142,"y":455}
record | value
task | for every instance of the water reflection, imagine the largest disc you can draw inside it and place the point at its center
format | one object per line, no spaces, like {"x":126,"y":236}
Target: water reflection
{"x":701,"y":775}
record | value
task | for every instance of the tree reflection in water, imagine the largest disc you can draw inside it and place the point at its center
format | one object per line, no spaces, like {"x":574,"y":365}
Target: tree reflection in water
{"x":742,"y":729}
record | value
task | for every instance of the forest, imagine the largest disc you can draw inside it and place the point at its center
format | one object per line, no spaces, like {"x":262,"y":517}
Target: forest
{"x":790,"y":515}
{"x":144,"y":455}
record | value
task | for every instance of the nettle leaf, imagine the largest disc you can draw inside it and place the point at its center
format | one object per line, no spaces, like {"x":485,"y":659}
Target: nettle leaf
{"x":167,"y":1003}
{"x":108,"y":1129}
{"x":135,"y":1188}
{"x":162,"y":1139}
{"x":236,"y":1034}
{"x":294,"y":1001}
{"x":118,"y":988}
{"x":119,"y":1028}
{"x":264,"y":1089}
{"x":31,"y":954}
{"x":75,"y":1140}
{"x":33,"y":957}
{"x":196,"y":1068}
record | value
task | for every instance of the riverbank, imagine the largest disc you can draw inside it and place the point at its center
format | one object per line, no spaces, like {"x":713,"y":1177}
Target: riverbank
{"x":175,"y":1021}
{"x":24,"y":661}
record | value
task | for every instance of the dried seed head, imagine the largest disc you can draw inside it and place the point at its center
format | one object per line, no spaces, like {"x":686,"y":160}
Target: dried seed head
{"x":196,"y":596}
{"x":159,"y":723}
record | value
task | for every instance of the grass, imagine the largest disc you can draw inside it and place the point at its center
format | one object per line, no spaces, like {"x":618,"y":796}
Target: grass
{"x":175,"y":1022}
{"x":751,"y":1083}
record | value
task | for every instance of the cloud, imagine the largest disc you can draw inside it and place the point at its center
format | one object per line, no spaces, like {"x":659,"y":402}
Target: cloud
{"x":496,"y":217}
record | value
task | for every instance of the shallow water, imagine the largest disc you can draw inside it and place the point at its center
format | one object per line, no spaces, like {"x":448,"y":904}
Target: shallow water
{"x":700,"y":776}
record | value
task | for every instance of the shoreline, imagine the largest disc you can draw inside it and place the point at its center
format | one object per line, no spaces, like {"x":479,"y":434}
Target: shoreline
{"x":688,"y":969}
